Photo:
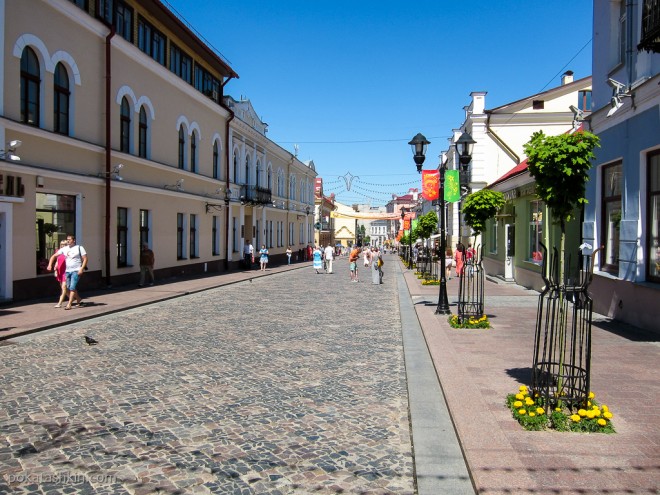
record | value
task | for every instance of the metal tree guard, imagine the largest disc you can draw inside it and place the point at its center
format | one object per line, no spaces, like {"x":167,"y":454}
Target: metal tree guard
{"x":562,"y":343}
{"x":471,"y":287}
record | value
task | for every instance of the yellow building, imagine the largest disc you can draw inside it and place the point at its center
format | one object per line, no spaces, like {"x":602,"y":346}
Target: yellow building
{"x":126,"y":137}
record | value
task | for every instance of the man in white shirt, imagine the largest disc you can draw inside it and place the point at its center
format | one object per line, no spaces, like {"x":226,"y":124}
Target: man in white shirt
{"x":329,"y":256}
{"x":76,"y":262}
{"x":248,"y":254}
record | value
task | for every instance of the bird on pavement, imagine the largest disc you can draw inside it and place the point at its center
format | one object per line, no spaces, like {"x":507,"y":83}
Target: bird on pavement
{"x":90,"y":341}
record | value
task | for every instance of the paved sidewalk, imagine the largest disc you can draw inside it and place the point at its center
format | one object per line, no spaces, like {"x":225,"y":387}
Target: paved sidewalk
{"x":478,"y":368}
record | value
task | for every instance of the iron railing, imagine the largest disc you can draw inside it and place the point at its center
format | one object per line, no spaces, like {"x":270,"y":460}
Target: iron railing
{"x":471,"y":286}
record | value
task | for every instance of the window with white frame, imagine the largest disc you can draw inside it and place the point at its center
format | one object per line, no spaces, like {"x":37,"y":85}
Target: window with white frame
{"x":612,"y":176}
{"x":181,"y":236}
{"x":122,"y":237}
{"x":535,"y":232}
{"x":653,"y":217}
{"x":492,"y":237}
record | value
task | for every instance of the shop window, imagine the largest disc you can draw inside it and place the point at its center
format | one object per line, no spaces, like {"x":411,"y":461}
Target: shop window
{"x":612,"y":176}
{"x":535,"y":255}
{"x":653,"y":193}
{"x":492,"y":237}
{"x":56,"y":217}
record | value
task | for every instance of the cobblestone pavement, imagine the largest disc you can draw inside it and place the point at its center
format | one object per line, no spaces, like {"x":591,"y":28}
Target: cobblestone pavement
{"x":292,"y":383}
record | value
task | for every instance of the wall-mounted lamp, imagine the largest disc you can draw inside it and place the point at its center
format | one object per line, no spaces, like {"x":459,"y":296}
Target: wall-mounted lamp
{"x":578,"y":115}
{"x":619,"y":91}
{"x":8,"y":153}
{"x":175,"y":187}
{"x":115,"y":172}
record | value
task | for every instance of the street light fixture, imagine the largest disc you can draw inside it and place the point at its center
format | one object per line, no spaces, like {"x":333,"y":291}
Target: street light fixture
{"x":419,"y":144}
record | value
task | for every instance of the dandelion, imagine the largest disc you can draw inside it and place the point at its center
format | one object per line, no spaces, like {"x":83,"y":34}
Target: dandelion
{"x":575,"y":418}
{"x":602,"y":422}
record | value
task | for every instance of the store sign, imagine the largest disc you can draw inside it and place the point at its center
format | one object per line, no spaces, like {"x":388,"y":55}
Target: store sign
{"x":11,"y":185}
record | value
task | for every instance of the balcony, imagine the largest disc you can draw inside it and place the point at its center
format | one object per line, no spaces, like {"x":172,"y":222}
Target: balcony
{"x":650,"y":38}
{"x":255,"y":195}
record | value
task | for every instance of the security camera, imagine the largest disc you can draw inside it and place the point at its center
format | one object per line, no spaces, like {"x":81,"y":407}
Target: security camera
{"x":616,"y":85}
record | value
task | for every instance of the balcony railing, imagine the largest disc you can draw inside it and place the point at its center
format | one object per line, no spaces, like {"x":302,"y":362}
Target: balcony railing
{"x":650,"y":39}
{"x":255,"y":195}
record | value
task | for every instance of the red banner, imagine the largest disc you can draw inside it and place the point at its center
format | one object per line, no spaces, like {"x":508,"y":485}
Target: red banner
{"x":406,"y":223}
{"x":430,"y":184}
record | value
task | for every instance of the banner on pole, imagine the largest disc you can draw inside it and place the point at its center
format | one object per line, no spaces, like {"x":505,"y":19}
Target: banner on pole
{"x":430,"y":184}
{"x":452,"y":186}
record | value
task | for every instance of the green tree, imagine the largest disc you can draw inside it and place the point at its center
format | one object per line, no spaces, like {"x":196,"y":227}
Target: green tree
{"x":479,"y":207}
{"x":426,"y":225}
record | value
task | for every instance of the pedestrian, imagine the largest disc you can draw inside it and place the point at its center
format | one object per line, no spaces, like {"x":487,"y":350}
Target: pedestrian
{"x":459,"y":258}
{"x":366,"y":254}
{"x":353,"y":258}
{"x":147,"y":260}
{"x":318,"y":261}
{"x":76,"y":264}
{"x":470,"y":254}
{"x":329,"y":257}
{"x":288,"y":255}
{"x":449,"y":260}
{"x":263,"y":257}
{"x":60,"y":275}
{"x":308,"y":253}
{"x":376,"y":273}
{"x":248,"y":254}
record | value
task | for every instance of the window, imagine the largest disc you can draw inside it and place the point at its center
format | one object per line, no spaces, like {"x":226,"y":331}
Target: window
{"x":653,"y":219}
{"x":270,"y":179}
{"x":538,"y":104}
{"x":83,"y":4}
{"x":611,"y":216}
{"x":182,"y":148}
{"x":235,"y":169}
{"x":104,"y":11}
{"x":151,"y":41}
{"x":234,"y":235}
{"x":145,"y":221}
{"x":125,"y":126}
{"x":180,"y":63}
{"x":247,"y":170}
{"x":61,"y":100}
{"x":492,"y":237}
{"x":257,"y":237}
{"x":535,"y":255}
{"x":122,"y":237}
{"x":194,"y":253}
{"x":206,"y":83}
{"x":584,"y":100}
{"x":215,"y":237}
{"x":216,"y":161}
{"x":30,"y":84}
{"x":258,"y":175}
{"x":291,"y":241}
{"x":193,"y":152}
{"x":180,"y":234}
{"x":292,"y":187}
{"x":124,"y":21}
{"x":142,"y":135}
{"x":56,"y":217}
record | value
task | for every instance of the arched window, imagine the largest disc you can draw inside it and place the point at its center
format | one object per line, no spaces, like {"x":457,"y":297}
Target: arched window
{"x":216,"y":161}
{"x":258,"y":182}
{"x":142,"y":136}
{"x":270,"y":179}
{"x":182,"y":148}
{"x":193,"y":152}
{"x":247,"y":170}
{"x":61,"y":100}
{"x":235,"y":168}
{"x":30,"y":84}
{"x":292,"y":187}
{"x":125,"y":126}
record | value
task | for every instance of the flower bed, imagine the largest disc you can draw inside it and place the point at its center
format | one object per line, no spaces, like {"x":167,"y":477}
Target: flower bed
{"x":531,"y":414}
{"x":471,"y":322}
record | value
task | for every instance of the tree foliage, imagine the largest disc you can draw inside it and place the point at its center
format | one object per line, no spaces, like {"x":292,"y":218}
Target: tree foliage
{"x":560,"y":166}
{"x":426,"y":225}
{"x":480,"y":206}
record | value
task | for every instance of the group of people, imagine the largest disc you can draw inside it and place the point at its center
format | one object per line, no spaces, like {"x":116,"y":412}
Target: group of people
{"x":323,"y":258}
{"x":69,"y":263}
{"x":372,"y":259}
{"x":248,"y":255}
{"x":458,"y":259}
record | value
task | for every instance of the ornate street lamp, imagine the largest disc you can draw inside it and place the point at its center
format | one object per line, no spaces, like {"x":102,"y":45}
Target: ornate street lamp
{"x":419,"y":144}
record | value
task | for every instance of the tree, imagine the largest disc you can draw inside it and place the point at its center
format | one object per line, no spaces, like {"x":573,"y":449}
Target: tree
{"x":479,"y":207}
{"x":426,"y":225}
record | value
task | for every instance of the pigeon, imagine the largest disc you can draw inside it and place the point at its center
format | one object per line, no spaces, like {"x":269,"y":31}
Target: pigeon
{"x":90,"y":341}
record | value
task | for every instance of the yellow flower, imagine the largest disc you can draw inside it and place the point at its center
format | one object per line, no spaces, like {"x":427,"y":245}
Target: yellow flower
{"x":558,"y":409}
{"x":588,"y":403}
{"x":522,"y":412}
{"x":605,"y":408}
{"x":523,"y":388}
{"x":529,"y":402}
{"x":596,"y":412}
{"x":540,"y":410}
{"x":532,"y":414}
{"x":592,"y":395}
{"x":520,"y":396}
{"x":517,"y":403}
{"x":608,"y":414}
{"x":602,"y":422}
{"x":575,"y":418}
{"x":591,"y":414}
{"x":582,"y":412}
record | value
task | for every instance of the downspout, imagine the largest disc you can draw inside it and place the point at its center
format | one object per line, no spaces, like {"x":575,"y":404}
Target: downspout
{"x":499,"y":140}
{"x":227,"y":184}
{"x":108,"y":151}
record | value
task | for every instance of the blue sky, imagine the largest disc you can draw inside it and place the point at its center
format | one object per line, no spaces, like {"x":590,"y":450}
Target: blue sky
{"x":351,"y":82}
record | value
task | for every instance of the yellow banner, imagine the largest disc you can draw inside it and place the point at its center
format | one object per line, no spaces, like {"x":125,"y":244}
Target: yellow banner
{"x":371,"y":216}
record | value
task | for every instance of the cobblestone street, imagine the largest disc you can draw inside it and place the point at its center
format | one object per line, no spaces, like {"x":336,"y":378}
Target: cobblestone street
{"x":291,"y":383}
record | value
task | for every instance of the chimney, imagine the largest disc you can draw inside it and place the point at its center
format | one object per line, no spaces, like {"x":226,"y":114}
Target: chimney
{"x":567,"y":78}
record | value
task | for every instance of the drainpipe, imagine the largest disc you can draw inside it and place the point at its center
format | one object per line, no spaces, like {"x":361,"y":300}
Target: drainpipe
{"x":499,"y":139}
{"x":231,"y":117}
{"x":108,"y":151}
{"x":629,"y":41}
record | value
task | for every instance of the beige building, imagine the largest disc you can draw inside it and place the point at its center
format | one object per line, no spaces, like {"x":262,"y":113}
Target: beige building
{"x":126,"y":137}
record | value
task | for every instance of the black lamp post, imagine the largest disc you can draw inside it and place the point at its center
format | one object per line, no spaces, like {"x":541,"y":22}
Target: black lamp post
{"x":419,"y":144}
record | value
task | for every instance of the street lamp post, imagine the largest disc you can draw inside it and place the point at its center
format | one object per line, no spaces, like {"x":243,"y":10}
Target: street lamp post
{"x":464,"y":146}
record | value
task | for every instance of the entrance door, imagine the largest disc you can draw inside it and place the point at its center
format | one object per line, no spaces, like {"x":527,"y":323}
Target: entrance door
{"x":510,"y":243}
{"x":6,"y":274}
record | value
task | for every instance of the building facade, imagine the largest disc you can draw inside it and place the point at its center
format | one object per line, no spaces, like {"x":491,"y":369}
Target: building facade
{"x":126,"y":137}
{"x":623,"y":213}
